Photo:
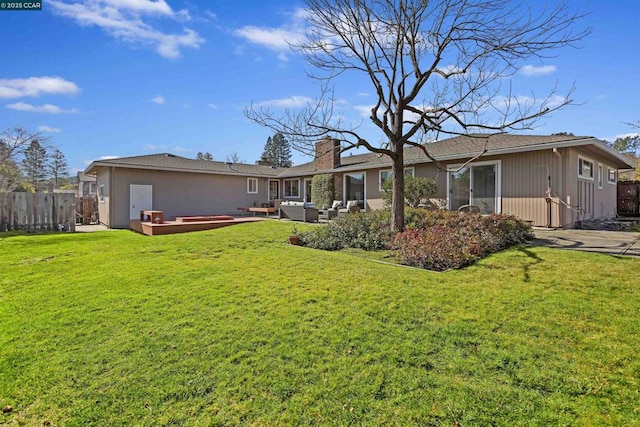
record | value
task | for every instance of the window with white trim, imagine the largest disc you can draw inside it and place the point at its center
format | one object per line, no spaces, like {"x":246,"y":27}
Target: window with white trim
{"x":612,"y":176}
{"x":600,"y":177}
{"x":92,"y":188}
{"x":291,"y":188}
{"x":101,"y":193}
{"x":585,"y":168}
{"x":252,"y":185}
{"x":388,"y":173}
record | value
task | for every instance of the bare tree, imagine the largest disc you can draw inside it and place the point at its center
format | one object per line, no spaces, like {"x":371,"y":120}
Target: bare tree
{"x":13,"y":144}
{"x":16,"y":140}
{"x":234,"y":157}
{"x":436,"y":67}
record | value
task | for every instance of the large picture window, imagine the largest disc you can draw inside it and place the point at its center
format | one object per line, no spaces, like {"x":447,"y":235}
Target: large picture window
{"x":291,"y":188}
{"x":386,"y":174}
{"x":354,"y":188}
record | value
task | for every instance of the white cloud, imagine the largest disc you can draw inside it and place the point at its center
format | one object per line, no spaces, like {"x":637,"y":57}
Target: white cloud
{"x":158,"y":99}
{"x":276,"y":38}
{"x":48,"y":129}
{"x":290,"y":102}
{"x":531,"y":70}
{"x":123,"y":19}
{"x":213,"y":106}
{"x":36,"y":86}
{"x":109,"y":157}
{"x":272,"y":38}
{"x":364,"y":110}
{"x":153,"y":147}
{"x":45,"y":108}
{"x":179,"y":149}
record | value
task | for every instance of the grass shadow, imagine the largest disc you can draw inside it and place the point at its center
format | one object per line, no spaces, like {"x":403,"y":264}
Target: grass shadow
{"x":533,"y":257}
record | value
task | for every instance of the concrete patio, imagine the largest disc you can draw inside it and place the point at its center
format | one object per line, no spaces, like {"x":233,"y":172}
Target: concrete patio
{"x":606,"y":242}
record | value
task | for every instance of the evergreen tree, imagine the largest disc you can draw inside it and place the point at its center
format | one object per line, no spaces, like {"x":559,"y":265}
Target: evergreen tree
{"x":204,"y":156}
{"x":283,"y":151}
{"x":269,"y":154}
{"x":58,"y":166}
{"x":34,"y":164}
{"x":277,"y":151}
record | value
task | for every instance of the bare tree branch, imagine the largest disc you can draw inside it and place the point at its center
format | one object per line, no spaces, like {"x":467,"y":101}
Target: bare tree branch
{"x":437,"y":67}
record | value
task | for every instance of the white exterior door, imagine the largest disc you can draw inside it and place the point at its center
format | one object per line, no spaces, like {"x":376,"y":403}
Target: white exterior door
{"x":140,"y":197}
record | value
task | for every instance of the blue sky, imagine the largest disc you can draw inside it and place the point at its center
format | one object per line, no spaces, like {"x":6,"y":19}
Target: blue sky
{"x":107,"y":78}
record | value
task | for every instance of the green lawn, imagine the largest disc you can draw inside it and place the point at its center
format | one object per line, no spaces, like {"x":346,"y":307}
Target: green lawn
{"x":233,"y":326}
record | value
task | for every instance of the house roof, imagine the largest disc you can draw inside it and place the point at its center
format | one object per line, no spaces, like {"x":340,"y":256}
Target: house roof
{"x":458,"y":148}
{"x":466,"y":147}
{"x":171,"y":162}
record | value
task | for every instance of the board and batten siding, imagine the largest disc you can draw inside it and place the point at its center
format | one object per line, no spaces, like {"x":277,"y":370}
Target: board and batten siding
{"x":586,"y":197}
{"x":103,"y":189}
{"x":427,"y":170}
{"x":183,"y":193}
{"x":525,"y":180}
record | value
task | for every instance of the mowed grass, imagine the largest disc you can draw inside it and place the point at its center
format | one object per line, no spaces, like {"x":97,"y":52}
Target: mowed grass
{"x":233,"y":326}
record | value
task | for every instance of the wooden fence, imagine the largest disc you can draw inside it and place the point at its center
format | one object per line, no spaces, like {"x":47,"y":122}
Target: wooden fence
{"x":87,"y":209}
{"x":37,"y":211}
{"x":629,"y":198}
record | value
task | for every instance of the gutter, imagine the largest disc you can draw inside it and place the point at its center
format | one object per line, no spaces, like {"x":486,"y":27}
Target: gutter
{"x":169,"y":169}
{"x":496,"y":152}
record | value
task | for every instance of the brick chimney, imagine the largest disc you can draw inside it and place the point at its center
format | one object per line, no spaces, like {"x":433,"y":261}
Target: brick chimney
{"x":327,"y":154}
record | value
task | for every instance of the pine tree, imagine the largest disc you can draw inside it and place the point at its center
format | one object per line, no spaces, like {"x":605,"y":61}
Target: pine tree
{"x":34,"y":165}
{"x":269,"y":154}
{"x":277,"y":151}
{"x":283,"y":151}
{"x":204,"y":156}
{"x":58,"y":166}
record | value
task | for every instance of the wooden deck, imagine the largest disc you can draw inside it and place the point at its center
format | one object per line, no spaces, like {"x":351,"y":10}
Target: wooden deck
{"x":172,"y":227}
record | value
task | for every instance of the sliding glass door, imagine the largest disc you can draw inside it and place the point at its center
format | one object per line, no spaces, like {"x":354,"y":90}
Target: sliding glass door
{"x":475,"y":184}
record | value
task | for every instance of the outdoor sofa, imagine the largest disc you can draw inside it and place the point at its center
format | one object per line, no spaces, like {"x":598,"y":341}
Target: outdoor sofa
{"x":298,"y":211}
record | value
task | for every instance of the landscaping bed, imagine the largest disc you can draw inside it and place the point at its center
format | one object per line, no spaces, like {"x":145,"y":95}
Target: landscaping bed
{"x":434,"y":240}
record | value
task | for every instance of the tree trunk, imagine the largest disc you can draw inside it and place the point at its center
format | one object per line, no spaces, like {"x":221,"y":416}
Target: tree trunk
{"x":397,"y":200}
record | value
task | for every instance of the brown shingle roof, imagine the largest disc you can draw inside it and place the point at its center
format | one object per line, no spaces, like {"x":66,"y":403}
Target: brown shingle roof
{"x":463,"y":147}
{"x":166,"y":161}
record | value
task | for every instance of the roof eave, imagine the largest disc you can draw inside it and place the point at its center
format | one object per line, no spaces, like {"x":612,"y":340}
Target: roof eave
{"x":94,"y":165}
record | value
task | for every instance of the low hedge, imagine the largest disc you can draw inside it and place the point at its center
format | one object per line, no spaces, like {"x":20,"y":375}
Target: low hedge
{"x":368,"y":231}
{"x":435,"y":240}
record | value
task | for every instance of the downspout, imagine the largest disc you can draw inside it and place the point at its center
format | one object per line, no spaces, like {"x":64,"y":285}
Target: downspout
{"x":560,"y":185}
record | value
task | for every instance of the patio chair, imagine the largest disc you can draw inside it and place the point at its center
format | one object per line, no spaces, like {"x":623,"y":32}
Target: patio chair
{"x":469,"y":209}
{"x":352,"y":207}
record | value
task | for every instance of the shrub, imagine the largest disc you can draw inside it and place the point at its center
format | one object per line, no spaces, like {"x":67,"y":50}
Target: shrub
{"x":322,"y":190}
{"x":435,"y":240}
{"x":415,"y":189}
{"x":437,"y":248}
{"x":369,"y":231}
{"x":441,"y":240}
